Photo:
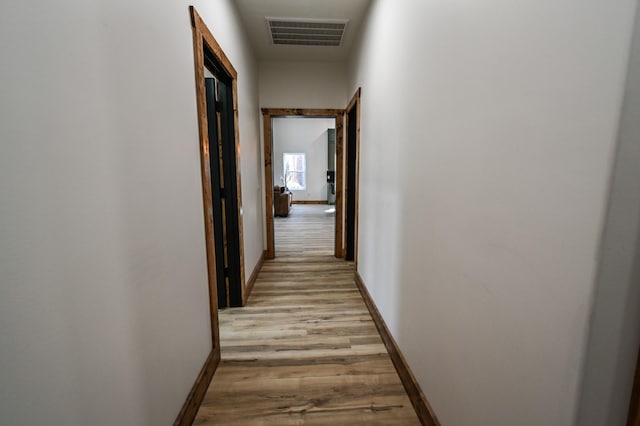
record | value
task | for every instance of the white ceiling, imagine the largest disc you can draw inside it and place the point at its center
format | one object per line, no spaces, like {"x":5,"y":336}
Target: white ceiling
{"x":253,"y":13}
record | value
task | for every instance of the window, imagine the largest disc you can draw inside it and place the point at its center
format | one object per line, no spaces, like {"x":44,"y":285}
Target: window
{"x":294,"y":166}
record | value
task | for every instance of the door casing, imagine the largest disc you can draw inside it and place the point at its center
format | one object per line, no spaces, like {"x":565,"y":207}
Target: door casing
{"x":267,"y":115}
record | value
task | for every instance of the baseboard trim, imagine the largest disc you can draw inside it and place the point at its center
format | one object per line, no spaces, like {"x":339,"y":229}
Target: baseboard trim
{"x":254,"y":276}
{"x":190,"y":408}
{"x":418,"y":399}
{"x":309,"y":202}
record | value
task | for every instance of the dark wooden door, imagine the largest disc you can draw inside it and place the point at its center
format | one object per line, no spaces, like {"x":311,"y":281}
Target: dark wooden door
{"x":230,"y":192}
{"x":222,"y":159}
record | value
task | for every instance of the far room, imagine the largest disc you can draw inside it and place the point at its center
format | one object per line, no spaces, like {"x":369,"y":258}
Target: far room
{"x":304,"y":157}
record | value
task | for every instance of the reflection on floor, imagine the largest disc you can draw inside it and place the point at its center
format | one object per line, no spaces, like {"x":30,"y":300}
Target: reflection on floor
{"x":304,"y":351}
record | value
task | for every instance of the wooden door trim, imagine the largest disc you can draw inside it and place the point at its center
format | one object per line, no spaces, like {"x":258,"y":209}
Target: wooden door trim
{"x":267,"y":115}
{"x":354,"y":103}
{"x":191,"y":406}
{"x":202,"y":37}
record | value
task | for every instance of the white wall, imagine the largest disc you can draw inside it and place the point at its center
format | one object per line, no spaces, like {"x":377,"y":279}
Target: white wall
{"x":249,"y":119}
{"x":103,"y":289}
{"x":490,"y":129}
{"x":308,"y":136}
{"x":303,"y":85}
{"x":615,"y":320}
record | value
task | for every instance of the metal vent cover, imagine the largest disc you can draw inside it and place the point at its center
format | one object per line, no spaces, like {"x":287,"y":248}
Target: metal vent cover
{"x":306,"y":32}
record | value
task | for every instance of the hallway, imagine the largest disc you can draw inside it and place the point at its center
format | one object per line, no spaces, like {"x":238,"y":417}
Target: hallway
{"x":304,"y":351}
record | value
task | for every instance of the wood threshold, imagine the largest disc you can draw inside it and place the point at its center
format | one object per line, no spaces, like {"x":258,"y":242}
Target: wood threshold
{"x":254,"y":276}
{"x":418,"y":399}
{"x":192,"y":404}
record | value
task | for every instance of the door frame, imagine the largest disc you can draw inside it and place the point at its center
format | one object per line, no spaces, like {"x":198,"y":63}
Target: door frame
{"x":354,"y":103}
{"x":222,"y":155}
{"x":202,"y":38}
{"x":633,"y":416}
{"x":267,"y":115}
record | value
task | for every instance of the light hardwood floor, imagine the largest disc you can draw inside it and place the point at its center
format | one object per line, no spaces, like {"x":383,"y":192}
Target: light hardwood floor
{"x":304,"y":351}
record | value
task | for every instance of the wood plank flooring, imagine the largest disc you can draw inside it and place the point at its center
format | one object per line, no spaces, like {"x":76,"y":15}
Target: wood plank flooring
{"x":304,"y":351}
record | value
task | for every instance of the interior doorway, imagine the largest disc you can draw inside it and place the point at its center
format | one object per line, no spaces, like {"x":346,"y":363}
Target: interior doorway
{"x":269,"y":114}
{"x":217,"y":108}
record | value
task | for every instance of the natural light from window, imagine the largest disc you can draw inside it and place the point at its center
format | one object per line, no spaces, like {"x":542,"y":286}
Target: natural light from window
{"x":294,"y":169}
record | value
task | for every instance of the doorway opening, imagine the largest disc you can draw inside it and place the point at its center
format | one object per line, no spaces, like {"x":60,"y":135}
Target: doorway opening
{"x":273,"y":166}
{"x":303,"y":155}
{"x":224,"y":187}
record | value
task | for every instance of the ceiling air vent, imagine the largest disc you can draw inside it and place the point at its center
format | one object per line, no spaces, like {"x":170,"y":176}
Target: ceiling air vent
{"x":306,"y":32}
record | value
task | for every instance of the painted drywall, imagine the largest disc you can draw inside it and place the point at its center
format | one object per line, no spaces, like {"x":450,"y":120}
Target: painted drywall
{"x":308,"y":136}
{"x":303,"y":85}
{"x":615,"y":325}
{"x":284,"y":84}
{"x":249,"y":119}
{"x":487,"y":139}
{"x":104,"y":317}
